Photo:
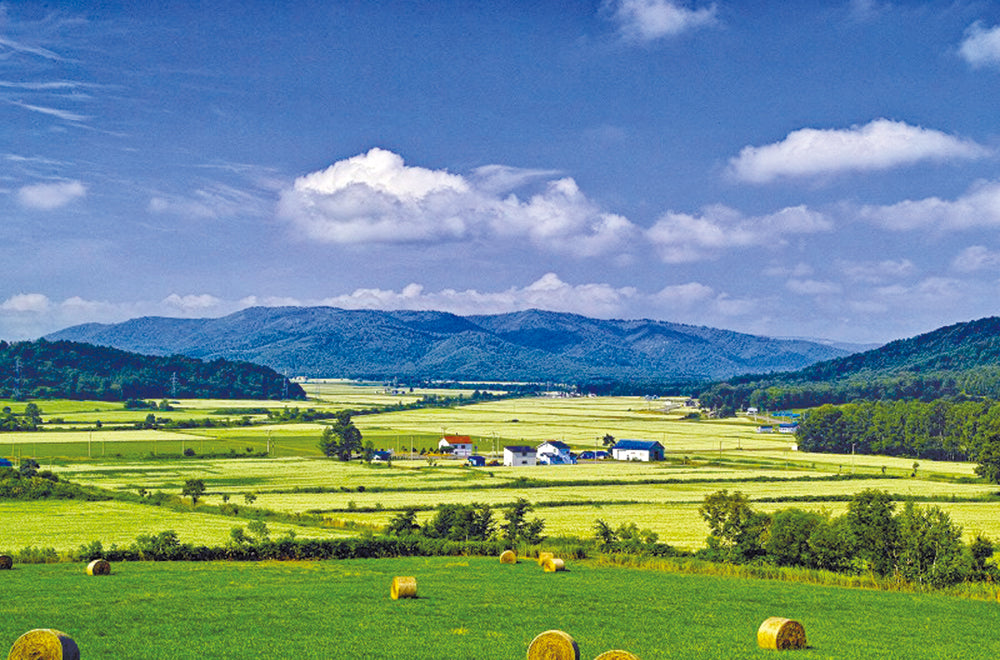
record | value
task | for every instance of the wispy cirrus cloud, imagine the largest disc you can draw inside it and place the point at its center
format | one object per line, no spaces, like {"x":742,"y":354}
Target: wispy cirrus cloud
{"x":879,"y":145}
{"x":210,"y":202}
{"x":376,"y":198}
{"x":981,"y":46}
{"x":48,"y":196}
{"x":65,"y":115}
{"x":648,"y":20}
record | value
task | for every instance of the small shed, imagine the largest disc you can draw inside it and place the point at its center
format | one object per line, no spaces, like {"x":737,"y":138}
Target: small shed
{"x":637,"y":450}
{"x":476,"y":461}
{"x":5,"y":463}
{"x":519,"y":455}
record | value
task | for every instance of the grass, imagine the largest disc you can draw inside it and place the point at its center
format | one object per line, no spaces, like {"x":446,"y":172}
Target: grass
{"x":66,"y":525}
{"x":470,"y":608}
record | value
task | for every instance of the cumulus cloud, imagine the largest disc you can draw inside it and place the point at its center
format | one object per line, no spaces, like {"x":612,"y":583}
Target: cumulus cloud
{"x":376,"y":198}
{"x":26,"y":302}
{"x":648,"y":20}
{"x":976,"y":258}
{"x":680,"y":237}
{"x":978,"y":207}
{"x":48,"y":196}
{"x":879,"y":145}
{"x":981,"y":46}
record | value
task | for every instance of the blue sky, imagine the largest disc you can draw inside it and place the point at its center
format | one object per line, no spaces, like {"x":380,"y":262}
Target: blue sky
{"x":814,"y":169}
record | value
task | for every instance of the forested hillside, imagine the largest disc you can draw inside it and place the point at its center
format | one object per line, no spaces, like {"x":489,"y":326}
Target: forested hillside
{"x":532,"y":345}
{"x":954,"y":362}
{"x":64,"y":369}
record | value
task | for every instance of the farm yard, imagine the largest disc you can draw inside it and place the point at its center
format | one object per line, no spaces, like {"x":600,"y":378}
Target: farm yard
{"x":468,"y":607}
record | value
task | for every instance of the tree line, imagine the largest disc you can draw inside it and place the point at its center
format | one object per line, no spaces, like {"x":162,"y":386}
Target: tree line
{"x":939,"y":430}
{"x":920,"y":545}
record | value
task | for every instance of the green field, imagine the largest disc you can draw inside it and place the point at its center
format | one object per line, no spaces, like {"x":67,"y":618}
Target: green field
{"x":469,"y":608}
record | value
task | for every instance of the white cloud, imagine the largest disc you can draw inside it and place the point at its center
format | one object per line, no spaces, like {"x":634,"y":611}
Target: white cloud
{"x":875,"y":272}
{"x":681,"y":238}
{"x":813,"y":287}
{"x":210,"y":202}
{"x":48,"y":196}
{"x":192,"y":303}
{"x":647,"y":20}
{"x":376,"y":198}
{"x":979,"y":207}
{"x":981,"y":46}
{"x":65,"y":115}
{"x":879,"y":145}
{"x":976,"y":258}
{"x":26,"y":302}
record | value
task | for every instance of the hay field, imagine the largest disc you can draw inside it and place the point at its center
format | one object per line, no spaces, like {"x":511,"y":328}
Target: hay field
{"x":470,"y":608}
{"x":66,"y":525}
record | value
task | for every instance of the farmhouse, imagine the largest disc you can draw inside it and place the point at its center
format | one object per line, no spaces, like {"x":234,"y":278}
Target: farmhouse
{"x":461,"y":445}
{"x":519,"y":455}
{"x":554,"y":452}
{"x":637,"y":450}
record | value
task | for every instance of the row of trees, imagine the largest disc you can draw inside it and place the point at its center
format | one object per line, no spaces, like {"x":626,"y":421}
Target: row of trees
{"x":920,"y":545}
{"x":936,"y":430}
{"x":472,"y":522}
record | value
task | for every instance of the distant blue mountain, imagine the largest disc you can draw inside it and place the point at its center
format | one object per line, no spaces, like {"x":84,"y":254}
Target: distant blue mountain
{"x":532,"y":345}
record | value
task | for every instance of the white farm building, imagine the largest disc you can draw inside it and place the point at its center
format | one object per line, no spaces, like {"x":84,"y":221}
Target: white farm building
{"x":637,"y":450}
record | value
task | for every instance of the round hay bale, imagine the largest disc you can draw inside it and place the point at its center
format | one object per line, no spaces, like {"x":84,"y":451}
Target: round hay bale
{"x":781,"y":634}
{"x":99,"y":567}
{"x":508,"y":557}
{"x":403,"y":587}
{"x":553,"y":645}
{"x":44,"y":644}
{"x":542,"y":556}
{"x":617,"y":654}
{"x":6,"y":563}
{"x":554,"y":565}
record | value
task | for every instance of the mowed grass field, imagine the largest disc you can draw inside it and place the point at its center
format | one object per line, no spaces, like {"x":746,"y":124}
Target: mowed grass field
{"x":470,"y":609}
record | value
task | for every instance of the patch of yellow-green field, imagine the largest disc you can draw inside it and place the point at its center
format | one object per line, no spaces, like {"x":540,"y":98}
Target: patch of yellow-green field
{"x":284,"y":474}
{"x":67,"y":524}
{"x":580,"y":422}
{"x":871,"y":464}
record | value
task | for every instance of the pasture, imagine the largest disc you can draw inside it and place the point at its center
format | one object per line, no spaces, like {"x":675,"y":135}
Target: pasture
{"x":470,"y":608}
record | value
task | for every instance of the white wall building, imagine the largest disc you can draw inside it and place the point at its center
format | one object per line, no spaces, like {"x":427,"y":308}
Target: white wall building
{"x":518,"y":455}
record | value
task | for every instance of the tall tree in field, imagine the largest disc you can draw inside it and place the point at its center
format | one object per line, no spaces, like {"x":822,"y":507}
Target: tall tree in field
{"x":341,"y":439}
{"x":193,"y":488}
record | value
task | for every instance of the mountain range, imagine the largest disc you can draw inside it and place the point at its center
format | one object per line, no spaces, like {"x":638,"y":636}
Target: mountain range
{"x":531,"y":345}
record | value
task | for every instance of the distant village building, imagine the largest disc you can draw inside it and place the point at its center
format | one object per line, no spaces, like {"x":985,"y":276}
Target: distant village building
{"x":788,"y":428}
{"x":637,"y":450}
{"x":553,"y":452}
{"x":476,"y":461}
{"x":461,"y":445}
{"x":519,"y":455}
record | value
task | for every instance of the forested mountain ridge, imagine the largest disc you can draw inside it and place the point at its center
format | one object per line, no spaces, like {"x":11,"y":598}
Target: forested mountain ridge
{"x":532,"y":345}
{"x":959,"y":360}
{"x":71,"y":370}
